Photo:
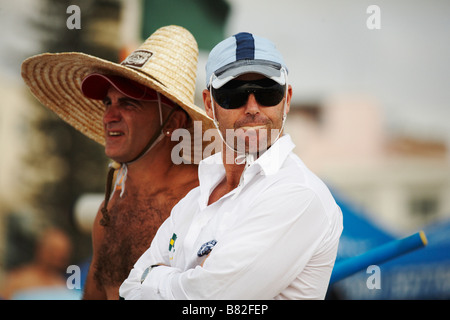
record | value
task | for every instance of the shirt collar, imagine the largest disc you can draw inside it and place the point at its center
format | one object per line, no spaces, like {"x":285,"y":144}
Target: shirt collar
{"x":270,"y":162}
{"x":211,"y":170}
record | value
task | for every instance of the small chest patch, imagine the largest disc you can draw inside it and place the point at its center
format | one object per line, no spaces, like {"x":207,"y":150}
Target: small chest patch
{"x":206,"y":248}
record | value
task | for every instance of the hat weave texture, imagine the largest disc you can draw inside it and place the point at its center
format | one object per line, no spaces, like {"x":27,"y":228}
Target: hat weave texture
{"x":165,"y":62}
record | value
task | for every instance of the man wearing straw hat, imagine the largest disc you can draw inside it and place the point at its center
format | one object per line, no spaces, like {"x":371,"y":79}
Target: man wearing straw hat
{"x":261,"y":226}
{"x":132,"y":109}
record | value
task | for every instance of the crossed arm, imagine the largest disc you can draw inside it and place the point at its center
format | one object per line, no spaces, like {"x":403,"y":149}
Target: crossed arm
{"x":256,"y":259}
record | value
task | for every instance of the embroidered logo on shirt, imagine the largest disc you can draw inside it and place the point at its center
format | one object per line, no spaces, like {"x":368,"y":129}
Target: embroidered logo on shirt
{"x":172,"y":242}
{"x":206,"y":248}
{"x":145,"y":274}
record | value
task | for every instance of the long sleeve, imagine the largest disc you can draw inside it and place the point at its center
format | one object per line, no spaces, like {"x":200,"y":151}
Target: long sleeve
{"x":263,"y":253}
{"x":259,"y":255}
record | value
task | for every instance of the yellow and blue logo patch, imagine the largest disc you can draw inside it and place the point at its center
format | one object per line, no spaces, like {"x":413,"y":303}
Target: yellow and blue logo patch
{"x":172,"y":242}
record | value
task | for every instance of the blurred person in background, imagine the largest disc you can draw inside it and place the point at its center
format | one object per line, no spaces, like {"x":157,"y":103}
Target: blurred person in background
{"x":132,"y":108}
{"x":45,"y":276}
{"x":260,"y":225}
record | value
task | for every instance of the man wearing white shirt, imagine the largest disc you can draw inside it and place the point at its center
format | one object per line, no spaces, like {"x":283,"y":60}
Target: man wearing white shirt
{"x":261,"y":226}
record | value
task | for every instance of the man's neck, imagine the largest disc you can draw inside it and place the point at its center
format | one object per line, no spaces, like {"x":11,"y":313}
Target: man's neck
{"x":233,"y":174}
{"x":154,"y":165}
{"x":232,"y":178}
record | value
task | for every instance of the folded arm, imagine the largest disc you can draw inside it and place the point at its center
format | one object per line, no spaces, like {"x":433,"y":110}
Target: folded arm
{"x":256,"y":259}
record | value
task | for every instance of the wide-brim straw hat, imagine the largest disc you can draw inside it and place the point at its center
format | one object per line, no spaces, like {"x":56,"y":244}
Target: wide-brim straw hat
{"x":165,"y":62}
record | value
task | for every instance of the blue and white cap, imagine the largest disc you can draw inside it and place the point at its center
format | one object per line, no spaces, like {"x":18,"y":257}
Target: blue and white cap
{"x":244,"y":53}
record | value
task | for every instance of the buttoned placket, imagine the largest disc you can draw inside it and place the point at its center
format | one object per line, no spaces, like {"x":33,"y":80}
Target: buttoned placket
{"x":206,"y":213}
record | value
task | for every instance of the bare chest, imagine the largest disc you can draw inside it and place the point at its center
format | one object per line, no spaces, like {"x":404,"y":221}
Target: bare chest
{"x":134,"y":221}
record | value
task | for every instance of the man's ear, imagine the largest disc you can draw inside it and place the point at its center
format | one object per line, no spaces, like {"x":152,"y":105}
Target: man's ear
{"x":178,"y":119}
{"x":289,"y":97}
{"x":207,"y":103}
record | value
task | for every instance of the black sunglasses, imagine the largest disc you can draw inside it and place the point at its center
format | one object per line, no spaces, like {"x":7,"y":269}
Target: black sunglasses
{"x":234,"y":94}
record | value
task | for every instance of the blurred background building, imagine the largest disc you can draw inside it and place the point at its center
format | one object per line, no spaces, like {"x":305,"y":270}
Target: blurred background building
{"x":369,"y":111}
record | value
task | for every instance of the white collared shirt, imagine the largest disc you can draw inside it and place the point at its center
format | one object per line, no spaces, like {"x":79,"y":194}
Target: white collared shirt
{"x":275,"y":236}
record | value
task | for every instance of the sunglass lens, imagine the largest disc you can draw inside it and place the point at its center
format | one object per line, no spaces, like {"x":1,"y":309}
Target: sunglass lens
{"x":230,"y":99}
{"x":237,"y":99}
{"x":269,"y":97}
{"x":235,"y":93}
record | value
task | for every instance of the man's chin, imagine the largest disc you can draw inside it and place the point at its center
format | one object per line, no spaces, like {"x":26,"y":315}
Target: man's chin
{"x":256,"y":141}
{"x":116,"y":156}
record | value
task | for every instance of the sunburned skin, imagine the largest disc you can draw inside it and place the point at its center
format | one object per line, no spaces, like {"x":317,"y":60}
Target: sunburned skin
{"x":134,"y":220}
{"x":153,"y":185}
{"x":141,"y":217}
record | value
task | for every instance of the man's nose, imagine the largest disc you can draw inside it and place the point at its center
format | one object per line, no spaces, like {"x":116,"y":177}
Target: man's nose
{"x":252,"y":106}
{"x":111,"y":113}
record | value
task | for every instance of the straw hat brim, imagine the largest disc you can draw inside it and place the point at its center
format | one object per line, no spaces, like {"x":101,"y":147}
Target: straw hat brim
{"x":55,"y":80}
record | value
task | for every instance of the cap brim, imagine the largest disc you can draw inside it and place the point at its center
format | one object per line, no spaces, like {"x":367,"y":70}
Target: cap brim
{"x":252,"y":66}
{"x":96,"y":86}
